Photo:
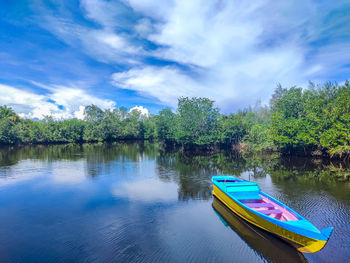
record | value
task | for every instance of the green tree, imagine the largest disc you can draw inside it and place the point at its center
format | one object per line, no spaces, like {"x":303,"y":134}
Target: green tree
{"x":149,"y":127}
{"x":197,"y":121}
{"x":233,"y":128}
{"x":110,"y":125}
{"x":8,"y":132}
{"x":259,"y":137}
{"x":132,"y":127}
{"x":165,"y":125}
{"x":288,"y":118}
{"x":93,"y":117}
{"x":8,"y":122}
{"x":70,"y":131}
{"x":336,"y":135}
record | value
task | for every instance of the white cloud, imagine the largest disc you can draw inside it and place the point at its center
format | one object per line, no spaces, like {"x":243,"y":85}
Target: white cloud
{"x":80,"y":114}
{"x":141,"y":109}
{"x":103,"y":12}
{"x":157,"y":9}
{"x":166,"y":83}
{"x":111,"y":42}
{"x":213,"y":35}
{"x":143,"y":27}
{"x":221,"y":45}
{"x":60,"y":102}
{"x":101,"y":42}
{"x":235,"y":52}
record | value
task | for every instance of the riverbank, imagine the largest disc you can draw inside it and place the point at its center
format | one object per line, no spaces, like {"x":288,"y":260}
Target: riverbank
{"x":309,"y":122}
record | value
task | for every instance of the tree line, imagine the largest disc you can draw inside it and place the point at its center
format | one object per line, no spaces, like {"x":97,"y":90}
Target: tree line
{"x":314,"y":121}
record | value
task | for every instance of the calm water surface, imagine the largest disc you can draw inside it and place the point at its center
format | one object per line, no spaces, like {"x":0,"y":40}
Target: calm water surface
{"x":136,"y":202}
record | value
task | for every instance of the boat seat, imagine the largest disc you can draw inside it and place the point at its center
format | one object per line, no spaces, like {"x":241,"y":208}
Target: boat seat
{"x":240,"y":184}
{"x":245,"y":187}
{"x":246,"y":196}
{"x":257,"y":205}
{"x":269,"y":212}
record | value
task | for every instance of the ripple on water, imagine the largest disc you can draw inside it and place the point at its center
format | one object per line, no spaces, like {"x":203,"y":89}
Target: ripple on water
{"x":91,"y":206}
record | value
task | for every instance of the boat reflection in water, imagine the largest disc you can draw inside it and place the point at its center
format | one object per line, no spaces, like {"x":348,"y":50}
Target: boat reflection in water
{"x":268,"y":246}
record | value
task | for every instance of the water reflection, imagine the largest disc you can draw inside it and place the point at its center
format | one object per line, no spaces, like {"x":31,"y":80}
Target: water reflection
{"x":268,"y":246}
{"x":148,"y":190}
{"x":62,"y":171}
{"x":192,"y":175}
{"x":23,"y":171}
{"x":190,"y":171}
{"x":93,"y":153}
{"x":132,"y":180}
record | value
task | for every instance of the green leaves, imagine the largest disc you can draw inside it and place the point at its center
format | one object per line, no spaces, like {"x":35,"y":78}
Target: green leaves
{"x":233,"y":128}
{"x":166,"y":125}
{"x":8,"y":122}
{"x":197,"y":121}
{"x":8,"y":131}
{"x":317,"y":118}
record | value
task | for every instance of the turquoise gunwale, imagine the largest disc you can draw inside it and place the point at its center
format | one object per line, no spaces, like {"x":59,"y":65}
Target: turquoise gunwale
{"x":300,"y":232}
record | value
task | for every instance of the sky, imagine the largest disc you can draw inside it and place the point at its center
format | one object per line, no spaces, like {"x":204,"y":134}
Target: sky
{"x":58,"y":56}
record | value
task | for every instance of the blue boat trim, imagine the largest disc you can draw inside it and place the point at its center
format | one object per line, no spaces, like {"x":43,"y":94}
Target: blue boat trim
{"x":300,"y":226}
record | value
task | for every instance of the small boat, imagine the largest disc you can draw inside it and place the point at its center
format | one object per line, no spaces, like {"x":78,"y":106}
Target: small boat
{"x":246,"y":200}
{"x":265,"y":244}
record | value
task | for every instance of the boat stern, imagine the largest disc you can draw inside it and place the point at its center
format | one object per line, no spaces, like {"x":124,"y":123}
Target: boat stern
{"x":316,"y":245}
{"x":313,"y":247}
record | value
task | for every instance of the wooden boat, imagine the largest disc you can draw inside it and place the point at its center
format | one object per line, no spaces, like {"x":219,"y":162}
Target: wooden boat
{"x":267,"y":245}
{"x":258,"y":208}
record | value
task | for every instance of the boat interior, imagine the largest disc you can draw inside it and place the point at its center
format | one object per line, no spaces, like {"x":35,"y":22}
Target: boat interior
{"x":249,"y":194}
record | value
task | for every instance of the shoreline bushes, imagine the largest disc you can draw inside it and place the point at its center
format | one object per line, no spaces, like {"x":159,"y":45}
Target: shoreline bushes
{"x":308,"y":121}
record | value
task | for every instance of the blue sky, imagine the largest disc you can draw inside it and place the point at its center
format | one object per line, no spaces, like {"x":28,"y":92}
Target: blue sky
{"x":58,"y":56}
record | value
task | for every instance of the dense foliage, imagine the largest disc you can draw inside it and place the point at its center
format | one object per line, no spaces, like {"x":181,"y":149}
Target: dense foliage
{"x":314,"y":120}
{"x":197,"y":121}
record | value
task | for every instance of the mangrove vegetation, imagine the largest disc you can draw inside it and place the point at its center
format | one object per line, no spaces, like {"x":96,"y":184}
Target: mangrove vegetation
{"x":315,"y":121}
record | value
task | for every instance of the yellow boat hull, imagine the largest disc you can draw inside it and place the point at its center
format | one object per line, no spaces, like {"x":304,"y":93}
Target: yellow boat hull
{"x":301,"y":243}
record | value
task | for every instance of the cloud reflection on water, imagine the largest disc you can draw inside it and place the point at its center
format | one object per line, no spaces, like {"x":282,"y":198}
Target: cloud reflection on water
{"x":24,"y":170}
{"x":148,"y":190}
{"x":69,"y":172}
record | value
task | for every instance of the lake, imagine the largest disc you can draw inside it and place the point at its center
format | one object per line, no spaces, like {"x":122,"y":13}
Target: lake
{"x":138,"y":202}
